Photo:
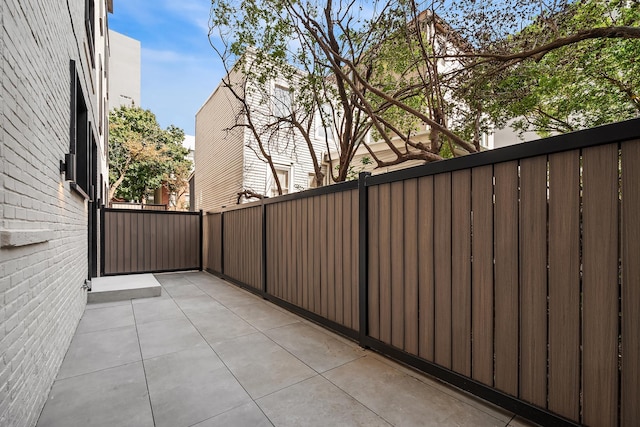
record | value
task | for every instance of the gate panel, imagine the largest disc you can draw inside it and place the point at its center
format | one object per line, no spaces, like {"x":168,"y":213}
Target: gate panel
{"x":150,"y":241}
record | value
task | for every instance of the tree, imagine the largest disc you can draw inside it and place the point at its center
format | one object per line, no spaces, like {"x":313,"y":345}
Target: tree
{"x":575,"y":86}
{"x":409,"y":69}
{"x":142,"y":155}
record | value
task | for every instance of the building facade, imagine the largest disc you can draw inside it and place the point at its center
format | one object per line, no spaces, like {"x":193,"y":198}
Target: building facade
{"x":227,"y":158}
{"x":124,"y":70}
{"x":53,"y":172}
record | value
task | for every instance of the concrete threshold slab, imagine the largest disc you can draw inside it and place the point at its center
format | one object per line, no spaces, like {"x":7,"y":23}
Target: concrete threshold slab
{"x":121,"y":288}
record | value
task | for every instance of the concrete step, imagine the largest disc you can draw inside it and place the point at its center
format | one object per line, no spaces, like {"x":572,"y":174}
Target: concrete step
{"x":121,"y":288}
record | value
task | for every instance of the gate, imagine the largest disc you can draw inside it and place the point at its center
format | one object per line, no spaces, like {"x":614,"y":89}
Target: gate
{"x":137,"y":241}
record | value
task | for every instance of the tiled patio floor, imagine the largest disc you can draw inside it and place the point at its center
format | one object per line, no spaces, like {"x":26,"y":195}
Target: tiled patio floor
{"x":206,"y":353}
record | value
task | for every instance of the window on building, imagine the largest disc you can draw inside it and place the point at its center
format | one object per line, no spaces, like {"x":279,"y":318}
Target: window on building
{"x":89,"y":24}
{"x":324,"y":123}
{"x":79,"y":166}
{"x":283,"y":177}
{"x":281,"y":101}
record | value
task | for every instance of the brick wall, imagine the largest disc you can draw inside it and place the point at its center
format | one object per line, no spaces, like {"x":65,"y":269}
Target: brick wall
{"x":43,"y":223}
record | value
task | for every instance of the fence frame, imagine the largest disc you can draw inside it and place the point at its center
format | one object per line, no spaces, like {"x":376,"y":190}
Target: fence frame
{"x":608,"y":134}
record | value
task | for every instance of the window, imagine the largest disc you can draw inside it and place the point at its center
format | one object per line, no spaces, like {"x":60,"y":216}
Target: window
{"x":89,"y":24}
{"x":281,"y":101}
{"x":324,"y":123}
{"x":283,"y":177}
{"x":78,"y":163}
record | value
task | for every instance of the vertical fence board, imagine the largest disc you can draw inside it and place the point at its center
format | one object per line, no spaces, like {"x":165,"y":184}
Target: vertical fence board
{"x":321,"y":250}
{"x":304,"y":248}
{"x":384,"y":229}
{"x":506,"y":277}
{"x":397,"y":265}
{"x":426,"y":319}
{"x":630,"y":232}
{"x":355,"y":248}
{"x":411,"y":266}
{"x":347,"y":226}
{"x":317,"y":291}
{"x":300,"y":243}
{"x":533,"y":280}
{"x":374,"y":261}
{"x":461,"y":272}
{"x":599,"y":284}
{"x":564,"y":283}
{"x":334,"y":250}
{"x":482,"y":270}
{"x":339,"y":259}
{"x":442,"y":268}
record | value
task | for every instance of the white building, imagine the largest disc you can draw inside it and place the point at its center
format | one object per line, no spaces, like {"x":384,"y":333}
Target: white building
{"x":124,"y":71}
{"x":227,"y":158}
{"x":53,"y":172}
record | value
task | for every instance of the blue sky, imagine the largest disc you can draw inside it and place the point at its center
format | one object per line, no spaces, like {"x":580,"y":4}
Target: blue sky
{"x":179,"y":67}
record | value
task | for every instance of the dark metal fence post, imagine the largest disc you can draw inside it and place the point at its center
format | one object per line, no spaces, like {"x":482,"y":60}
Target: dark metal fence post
{"x":363,"y":256}
{"x":222,"y":244}
{"x":201,"y":241}
{"x":102,"y":241}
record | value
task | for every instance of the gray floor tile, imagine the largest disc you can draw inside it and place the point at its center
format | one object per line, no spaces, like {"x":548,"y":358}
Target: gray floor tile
{"x":94,"y":305}
{"x":111,"y":398}
{"x":220,"y":325}
{"x":229,"y":296}
{"x":200,"y":303}
{"x":246,"y":415}
{"x":167,"y":336}
{"x":315,"y":348}
{"x":316,"y":402}
{"x":153,"y":311}
{"x":187,"y":290}
{"x":263,"y":316}
{"x":94,"y":351}
{"x":403,"y":400}
{"x":191,"y":386}
{"x":261,"y":365}
{"x":100,"y":319}
{"x":162,"y":297}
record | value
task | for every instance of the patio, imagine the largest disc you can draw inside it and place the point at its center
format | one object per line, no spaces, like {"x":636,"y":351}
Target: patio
{"x":206,"y":353}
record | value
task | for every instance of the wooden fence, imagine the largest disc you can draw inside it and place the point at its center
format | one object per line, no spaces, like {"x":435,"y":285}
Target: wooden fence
{"x":513,"y":274}
{"x":138,"y":241}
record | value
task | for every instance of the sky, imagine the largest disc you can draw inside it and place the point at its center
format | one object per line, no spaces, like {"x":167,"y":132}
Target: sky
{"x":179,"y":67}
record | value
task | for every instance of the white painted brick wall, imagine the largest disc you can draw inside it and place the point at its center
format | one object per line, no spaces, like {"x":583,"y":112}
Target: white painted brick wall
{"x":41,"y":295}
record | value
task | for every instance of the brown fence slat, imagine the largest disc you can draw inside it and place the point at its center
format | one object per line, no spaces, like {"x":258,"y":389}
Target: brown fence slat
{"x":506,"y":277}
{"x":317,"y":290}
{"x":334,"y":250}
{"x":347,"y":302}
{"x":630,"y":232}
{"x":426,"y":319}
{"x":397,"y":265}
{"x":442,"y":268}
{"x":355,"y":311}
{"x":461,"y":272}
{"x":599,"y":284}
{"x":339,"y":259}
{"x":410,"y":239}
{"x":533,"y":280}
{"x":384,"y":259}
{"x":482,"y":203}
{"x":564,"y":284}
{"x":374,"y":261}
